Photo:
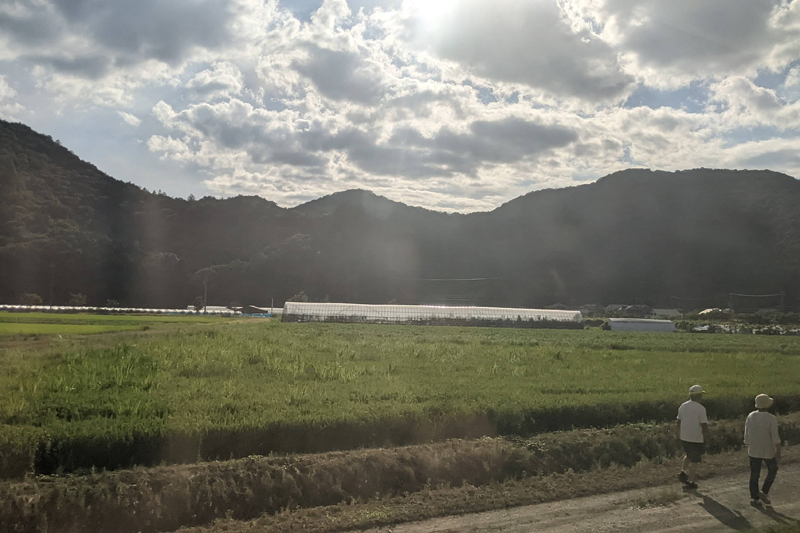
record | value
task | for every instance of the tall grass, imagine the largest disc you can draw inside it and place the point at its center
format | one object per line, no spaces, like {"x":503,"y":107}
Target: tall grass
{"x":165,"y":498}
{"x":232,"y":389}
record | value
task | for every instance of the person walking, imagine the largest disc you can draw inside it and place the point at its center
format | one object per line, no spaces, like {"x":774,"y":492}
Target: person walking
{"x":692,"y":430}
{"x":763,"y":445}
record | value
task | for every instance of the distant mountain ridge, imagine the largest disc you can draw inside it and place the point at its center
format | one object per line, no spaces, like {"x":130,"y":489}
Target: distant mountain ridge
{"x":635,"y":236}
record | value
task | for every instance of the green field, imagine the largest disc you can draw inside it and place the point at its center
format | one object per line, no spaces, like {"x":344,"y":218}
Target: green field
{"x":34,"y":324}
{"x":19,"y":328}
{"x":232,"y":388}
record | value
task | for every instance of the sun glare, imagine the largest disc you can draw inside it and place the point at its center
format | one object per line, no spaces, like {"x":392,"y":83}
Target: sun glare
{"x":433,"y":12}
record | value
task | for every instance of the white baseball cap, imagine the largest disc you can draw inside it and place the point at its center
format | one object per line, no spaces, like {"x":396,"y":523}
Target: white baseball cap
{"x":696,"y":389}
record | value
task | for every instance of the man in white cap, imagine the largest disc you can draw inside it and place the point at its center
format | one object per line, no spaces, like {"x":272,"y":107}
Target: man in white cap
{"x":692,"y":431}
{"x":763,"y":444}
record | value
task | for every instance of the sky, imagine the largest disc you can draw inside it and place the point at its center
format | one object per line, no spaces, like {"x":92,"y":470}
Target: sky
{"x":453,"y":105}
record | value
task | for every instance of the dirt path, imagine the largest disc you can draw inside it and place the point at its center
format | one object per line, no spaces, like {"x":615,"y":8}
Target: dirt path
{"x":721,"y":504}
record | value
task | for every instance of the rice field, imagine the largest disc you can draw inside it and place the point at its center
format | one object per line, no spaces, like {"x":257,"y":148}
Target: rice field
{"x":234,"y":388}
{"x":59,"y":329}
{"x":35,"y":324}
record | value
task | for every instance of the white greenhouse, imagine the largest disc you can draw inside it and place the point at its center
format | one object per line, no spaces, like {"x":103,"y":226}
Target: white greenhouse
{"x":641,"y":324}
{"x":432,"y":315}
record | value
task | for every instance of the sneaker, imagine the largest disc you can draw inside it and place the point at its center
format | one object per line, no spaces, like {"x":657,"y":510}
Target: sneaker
{"x":683,"y":477}
{"x":764,"y":498}
{"x":755,"y":502}
{"x":691,"y":485}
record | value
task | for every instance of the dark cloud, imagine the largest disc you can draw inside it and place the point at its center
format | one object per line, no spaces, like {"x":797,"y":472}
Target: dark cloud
{"x":34,"y":28}
{"x":124,"y":32}
{"x":342,"y":76}
{"x":701,"y":38}
{"x":407,"y":153}
{"x":89,"y":67}
{"x":530,"y":43}
{"x":410,"y":154}
{"x":152,"y":28}
{"x":502,"y":141}
{"x":778,"y":158}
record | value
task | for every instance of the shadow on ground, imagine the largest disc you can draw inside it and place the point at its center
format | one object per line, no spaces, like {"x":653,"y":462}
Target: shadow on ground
{"x":732,"y":519}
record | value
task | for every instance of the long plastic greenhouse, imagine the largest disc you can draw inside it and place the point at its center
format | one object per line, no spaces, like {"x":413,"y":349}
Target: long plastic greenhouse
{"x":431,"y":315}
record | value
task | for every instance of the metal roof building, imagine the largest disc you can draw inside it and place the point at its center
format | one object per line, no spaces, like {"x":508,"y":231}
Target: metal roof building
{"x":641,"y":324}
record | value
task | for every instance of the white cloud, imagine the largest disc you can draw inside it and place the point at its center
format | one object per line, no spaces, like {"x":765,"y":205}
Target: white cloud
{"x":670,"y":43}
{"x":221,"y":79}
{"x":456,"y":105}
{"x":749,"y":105}
{"x":129,"y":119}
{"x":9,"y":109}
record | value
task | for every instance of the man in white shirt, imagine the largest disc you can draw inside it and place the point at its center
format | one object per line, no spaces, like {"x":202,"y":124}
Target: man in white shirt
{"x":692,"y":430}
{"x":763,"y":444}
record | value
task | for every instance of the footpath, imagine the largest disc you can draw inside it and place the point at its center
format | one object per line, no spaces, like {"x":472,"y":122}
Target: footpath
{"x":720,"y":504}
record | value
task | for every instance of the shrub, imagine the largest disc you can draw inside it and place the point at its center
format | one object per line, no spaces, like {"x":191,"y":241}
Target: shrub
{"x":29,"y":299}
{"x":77,"y":300}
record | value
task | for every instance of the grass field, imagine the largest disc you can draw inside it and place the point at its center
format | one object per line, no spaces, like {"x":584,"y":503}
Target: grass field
{"x":19,"y":328}
{"x":191,"y":391}
{"x":34,"y":324}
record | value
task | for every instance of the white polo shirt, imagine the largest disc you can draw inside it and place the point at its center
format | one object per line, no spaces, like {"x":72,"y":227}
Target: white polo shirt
{"x":761,"y":434}
{"x":692,"y":414}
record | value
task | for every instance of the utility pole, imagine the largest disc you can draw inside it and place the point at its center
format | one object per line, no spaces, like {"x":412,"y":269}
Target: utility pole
{"x":205,"y":293}
{"x":52,"y":281}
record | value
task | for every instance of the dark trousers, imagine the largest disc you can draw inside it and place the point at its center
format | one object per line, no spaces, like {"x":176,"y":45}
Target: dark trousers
{"x":755,"y":473}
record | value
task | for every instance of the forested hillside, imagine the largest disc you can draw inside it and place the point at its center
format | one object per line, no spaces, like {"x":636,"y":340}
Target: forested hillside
{"x":633,"y":236}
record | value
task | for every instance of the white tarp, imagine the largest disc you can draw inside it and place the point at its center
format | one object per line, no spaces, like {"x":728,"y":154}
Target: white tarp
{"x":409,"y":313}
{"x":641,"y":324}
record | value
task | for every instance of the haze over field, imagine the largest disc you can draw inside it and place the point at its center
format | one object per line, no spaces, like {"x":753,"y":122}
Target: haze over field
{"x":452,"y":105}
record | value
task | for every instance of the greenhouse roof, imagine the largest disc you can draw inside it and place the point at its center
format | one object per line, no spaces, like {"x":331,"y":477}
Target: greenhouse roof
{"x":402,"y":313}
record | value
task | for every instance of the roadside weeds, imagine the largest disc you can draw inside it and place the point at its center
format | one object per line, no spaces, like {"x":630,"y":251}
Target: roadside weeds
{"x":469,"y":499}
{"x":166,"y":498}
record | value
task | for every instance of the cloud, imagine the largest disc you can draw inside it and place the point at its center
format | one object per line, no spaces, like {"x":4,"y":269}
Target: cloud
{"x":792,"y":78}
{"x":450,"y":104}
{"x":342,"y":75}
{"x":670,"y":43}
{"x":129,"y":119}
{"x":749,"y":105}
{"x":286,"y":138}
{"x":221,"y":79}
{"x":91,"y":67}
{"x":8,"y":108}
{"x":150,"y":29}
{"x":532,"y":43}
{"x":106,"y":50}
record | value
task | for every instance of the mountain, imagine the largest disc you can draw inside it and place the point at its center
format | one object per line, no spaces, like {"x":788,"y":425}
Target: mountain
{"x":633,"y":236}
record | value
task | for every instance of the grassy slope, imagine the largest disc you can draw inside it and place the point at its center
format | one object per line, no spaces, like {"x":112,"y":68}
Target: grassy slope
{"x":232,"y":389}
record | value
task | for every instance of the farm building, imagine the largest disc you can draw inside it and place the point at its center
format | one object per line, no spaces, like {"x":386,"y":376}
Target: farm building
{"x":431,"y":315}
{"x":641,"y":324}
